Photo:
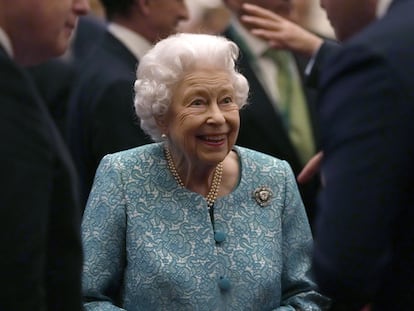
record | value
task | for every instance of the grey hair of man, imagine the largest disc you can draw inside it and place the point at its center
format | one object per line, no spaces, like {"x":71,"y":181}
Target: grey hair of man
{"x":165,"y":65}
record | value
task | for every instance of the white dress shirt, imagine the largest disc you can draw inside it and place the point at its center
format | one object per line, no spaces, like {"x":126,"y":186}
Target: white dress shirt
{"x":382,"y":7}
{"x":6,"y":43}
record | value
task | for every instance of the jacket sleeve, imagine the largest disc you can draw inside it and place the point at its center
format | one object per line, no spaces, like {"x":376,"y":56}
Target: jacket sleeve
{"x":103,"y":236}
{"x":299,"y":292}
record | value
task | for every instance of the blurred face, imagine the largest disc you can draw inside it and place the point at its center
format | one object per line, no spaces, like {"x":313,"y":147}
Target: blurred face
{"x":40,"y":29}
{"x":165,"y":15}
{"x":349,"y":17}
{"x":281,"y":7}
{"x":202,"y":122}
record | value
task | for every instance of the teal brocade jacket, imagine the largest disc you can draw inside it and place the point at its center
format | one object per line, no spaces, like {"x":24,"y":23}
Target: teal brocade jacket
{"x":149,"y":244}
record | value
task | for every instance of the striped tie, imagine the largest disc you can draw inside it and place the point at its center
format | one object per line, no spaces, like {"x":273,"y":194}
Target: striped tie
{"x":292,"y":103}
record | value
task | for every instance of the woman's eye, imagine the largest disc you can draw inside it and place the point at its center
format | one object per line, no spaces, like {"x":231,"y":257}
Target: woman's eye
{"x":228,"y":100}
{"x":197,"y":102}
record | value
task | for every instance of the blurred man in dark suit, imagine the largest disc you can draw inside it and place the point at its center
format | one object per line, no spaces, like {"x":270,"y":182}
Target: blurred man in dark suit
{"x":364,"y":234}
{"x":101,"y":117}
{"x":280,"y":117}
{"x":41,"y":260}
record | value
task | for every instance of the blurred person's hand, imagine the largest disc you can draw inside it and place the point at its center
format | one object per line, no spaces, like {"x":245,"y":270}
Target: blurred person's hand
{"x":280,"y":32}
{"x":311,"y":168}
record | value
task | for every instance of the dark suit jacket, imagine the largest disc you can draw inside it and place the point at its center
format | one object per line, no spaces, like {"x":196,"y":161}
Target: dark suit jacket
{"x":101,"y":116}
{"x":262,"y":129}
{"x":89,"y":31}
{"x":313,"y":72}
{"x":364,"y":250}
{"x":54,"y":80}
{"x":40,"y":265}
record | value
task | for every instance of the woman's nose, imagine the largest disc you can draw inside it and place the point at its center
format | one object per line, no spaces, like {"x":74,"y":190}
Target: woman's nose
{"x":215,"y":114}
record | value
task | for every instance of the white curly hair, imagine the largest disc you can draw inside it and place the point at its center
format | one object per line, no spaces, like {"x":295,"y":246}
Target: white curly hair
{"x":166,"y":64}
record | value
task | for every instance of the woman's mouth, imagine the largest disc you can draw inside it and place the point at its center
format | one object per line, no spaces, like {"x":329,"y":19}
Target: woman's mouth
{"x":213,"y":139}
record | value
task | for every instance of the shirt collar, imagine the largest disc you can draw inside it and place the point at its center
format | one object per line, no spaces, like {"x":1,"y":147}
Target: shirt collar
{"x":6,"y":43}
{"x":382,"y":7}
{"x":256,"y":45}
{"x":133,"y":41}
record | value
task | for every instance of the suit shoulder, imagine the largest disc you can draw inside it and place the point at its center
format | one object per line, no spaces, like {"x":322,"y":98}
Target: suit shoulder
{"x":138,"y":154}
{"x":251,"y":156}
{"x":110,"y":60}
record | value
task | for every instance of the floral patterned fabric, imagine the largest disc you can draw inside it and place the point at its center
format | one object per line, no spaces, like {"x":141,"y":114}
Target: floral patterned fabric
{"x":149,"y":244}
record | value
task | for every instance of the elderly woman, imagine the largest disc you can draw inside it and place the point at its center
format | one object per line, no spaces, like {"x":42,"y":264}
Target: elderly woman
{"x":194,"y":222}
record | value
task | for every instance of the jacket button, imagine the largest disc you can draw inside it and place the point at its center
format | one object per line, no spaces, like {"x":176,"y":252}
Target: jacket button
{"x":224,"y":283}
{"x":219,"y":236}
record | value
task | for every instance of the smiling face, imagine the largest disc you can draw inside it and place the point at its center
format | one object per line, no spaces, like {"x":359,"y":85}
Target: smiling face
{"x":202,"y":122}
{"x":40,"y":29}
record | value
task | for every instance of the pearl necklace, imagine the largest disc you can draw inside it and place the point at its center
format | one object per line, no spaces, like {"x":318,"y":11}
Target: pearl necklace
{"x":215,"y":185}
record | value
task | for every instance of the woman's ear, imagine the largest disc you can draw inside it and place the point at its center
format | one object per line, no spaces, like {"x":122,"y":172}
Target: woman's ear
{"x":162,"y":124}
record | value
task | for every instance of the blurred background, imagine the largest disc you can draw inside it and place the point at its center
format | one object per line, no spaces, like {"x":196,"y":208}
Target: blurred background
{"x":211,"y":16}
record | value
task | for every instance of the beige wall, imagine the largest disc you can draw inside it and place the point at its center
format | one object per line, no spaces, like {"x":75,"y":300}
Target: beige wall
{"x":96,"y":7}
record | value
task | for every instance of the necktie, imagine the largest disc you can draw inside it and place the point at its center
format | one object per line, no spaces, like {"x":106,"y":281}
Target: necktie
{"x":292,"y":103}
